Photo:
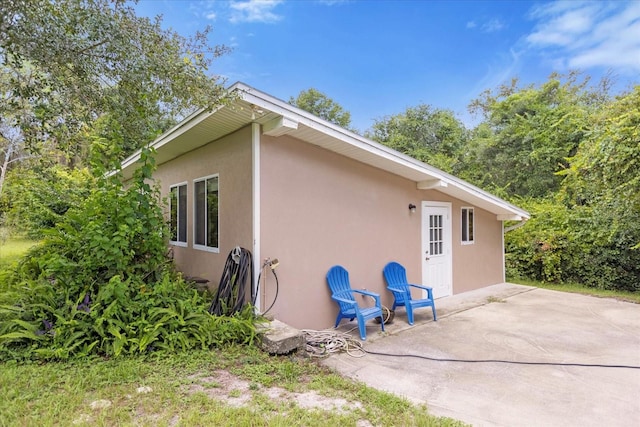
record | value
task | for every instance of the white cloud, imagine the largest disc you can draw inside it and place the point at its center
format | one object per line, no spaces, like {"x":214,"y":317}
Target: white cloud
{"x":589,"y":34}
{"x":492,"y":26}
{"x":254,"y":11}
{"x":487,"y":26}
{"x":211,"y":16}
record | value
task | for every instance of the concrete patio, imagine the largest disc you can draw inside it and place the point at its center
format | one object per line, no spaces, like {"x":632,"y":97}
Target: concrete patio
{"x":513,"y":323}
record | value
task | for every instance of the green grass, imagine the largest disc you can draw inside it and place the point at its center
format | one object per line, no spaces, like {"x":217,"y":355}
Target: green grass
{"x":11,"y":249}
{"x":633,"y":297}
{"x":194,"y":389}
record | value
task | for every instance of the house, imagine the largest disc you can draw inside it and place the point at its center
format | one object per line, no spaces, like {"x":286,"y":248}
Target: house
{"x":264,"y":175}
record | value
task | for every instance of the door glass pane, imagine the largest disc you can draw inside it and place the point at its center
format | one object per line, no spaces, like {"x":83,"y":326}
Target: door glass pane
{"x":435,"y":234}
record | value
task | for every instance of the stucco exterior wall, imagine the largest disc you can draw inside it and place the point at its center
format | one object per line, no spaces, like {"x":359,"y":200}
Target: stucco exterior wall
{"x":231,"y":158}
{"x":319,"y":209}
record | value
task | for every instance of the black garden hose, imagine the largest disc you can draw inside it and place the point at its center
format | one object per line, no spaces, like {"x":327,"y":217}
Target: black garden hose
{"x":230,"y":296}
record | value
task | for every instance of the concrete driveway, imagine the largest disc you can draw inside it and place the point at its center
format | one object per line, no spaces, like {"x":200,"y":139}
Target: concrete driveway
{"x":515,"y":323}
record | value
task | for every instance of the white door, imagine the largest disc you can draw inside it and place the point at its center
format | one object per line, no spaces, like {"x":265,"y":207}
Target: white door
{"x":436,"y":248}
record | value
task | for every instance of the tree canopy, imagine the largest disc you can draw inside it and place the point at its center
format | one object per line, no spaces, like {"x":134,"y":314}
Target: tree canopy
{"x":316,"y":102}
{"x":533,"y":132}
{"x":432,"y":135}
{"x":67,"y":63}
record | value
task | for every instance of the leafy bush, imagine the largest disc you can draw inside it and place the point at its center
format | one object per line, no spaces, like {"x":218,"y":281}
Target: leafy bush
{"x":36,"y":199}
{"x":100,"y":283}
{"x":562,"y":244}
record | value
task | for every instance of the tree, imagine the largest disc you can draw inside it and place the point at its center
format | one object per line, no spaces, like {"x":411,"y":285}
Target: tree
{"x":10,"y":151}
{"x":434,"y":136}
{"x":604,"y":171}
{"x":587,"y":231}
{"x":535,"y":130}
{"x":70,"y":62}
{"x":316,"y":102}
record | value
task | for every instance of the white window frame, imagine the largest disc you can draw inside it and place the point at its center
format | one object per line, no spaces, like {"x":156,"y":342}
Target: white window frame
{"x":205,"y":247}
{"x":178,"y":219}
{"x":467,"y":227}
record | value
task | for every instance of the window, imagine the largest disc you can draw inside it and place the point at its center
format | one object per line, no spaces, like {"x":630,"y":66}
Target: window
{"x":467,"y":225}
{"x":206,"y":214}
{"x":178,"y":207}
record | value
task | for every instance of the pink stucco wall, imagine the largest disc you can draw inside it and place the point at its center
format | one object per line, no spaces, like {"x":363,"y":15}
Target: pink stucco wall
{"x":231,"y":159}
{"x":319,"y":209}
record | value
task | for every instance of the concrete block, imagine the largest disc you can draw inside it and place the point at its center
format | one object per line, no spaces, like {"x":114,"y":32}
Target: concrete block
{"x":276,"y":337}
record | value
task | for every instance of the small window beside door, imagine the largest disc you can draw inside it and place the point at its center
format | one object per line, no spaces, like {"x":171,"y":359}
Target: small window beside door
{"x":467,"y":226}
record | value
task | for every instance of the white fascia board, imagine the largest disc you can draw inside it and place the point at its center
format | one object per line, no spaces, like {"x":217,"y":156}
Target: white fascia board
{"x":188,"y":123}
{"x":279,"y":126}
{"x":432,"y":184}
{"x":505,"y":217}
{"x":268,"y":102}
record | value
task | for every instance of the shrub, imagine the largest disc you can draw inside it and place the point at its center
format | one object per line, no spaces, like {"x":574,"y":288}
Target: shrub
{"x":562,"y":244}
{"x":100,"y":283}
{"x":34,"y":200}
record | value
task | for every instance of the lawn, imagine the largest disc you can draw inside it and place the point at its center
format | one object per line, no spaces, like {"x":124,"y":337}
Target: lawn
{"x":237,"y":386}
{"x":240,"y":386}
{"x":575,"y":288}
{"x":11,"y":249}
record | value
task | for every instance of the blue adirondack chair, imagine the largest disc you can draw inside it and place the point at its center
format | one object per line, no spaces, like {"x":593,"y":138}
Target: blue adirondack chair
{"x":341,"y":292}
{"x":396,"y":277}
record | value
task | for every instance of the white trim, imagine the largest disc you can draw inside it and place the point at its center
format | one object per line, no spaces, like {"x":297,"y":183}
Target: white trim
{"x":431,"y":184}
{"x":198,"y":246}
{"x":448,"y":184}
{"x":268,"y":102}
{"x":186,"y":124}
{"x":448,"y":237}
{"x":504,"y":261}
{"x":255,"y":158}
{"x":510,"y":218}
{"x":178,"y":185}
{"x":279,"y":126}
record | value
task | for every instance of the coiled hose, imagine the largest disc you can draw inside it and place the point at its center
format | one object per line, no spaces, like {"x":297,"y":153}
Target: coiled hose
{"x":230,"y":296}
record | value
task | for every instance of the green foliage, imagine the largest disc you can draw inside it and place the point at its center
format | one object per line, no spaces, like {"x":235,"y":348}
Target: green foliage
{"x":34,"y":200}
{"x":68,"y":63}
{"x":571,"y":244}
{"x":100,"y":283}
{"x":316,"y":102}
{"x":431,"y":135}
{"x":534,"y":131}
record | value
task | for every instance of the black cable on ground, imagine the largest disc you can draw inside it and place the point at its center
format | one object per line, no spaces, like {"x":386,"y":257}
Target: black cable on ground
{"x":230,"y":296}
{"x":324,"y":343}
{"x":512,"y":362}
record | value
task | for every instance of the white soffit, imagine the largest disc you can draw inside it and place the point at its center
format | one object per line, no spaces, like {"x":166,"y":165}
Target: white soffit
{"x":334,"y":138}
{"x":278,"y":118}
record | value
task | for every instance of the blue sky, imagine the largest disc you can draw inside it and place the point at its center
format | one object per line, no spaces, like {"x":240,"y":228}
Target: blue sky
{"x":376,"y":58}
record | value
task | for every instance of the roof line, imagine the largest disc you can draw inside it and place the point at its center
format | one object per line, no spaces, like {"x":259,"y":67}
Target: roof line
{"x":278,"y":106}
{"x":373,"y":145}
